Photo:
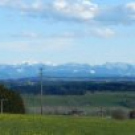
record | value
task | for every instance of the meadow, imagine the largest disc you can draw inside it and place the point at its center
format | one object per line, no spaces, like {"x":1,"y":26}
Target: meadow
{"x":89,"y":103}
{"x":90,"y":124}
{"x":63,"y":125}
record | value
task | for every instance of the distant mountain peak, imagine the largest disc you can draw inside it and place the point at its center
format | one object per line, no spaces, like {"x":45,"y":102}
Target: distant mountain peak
{"x":31,"y":69}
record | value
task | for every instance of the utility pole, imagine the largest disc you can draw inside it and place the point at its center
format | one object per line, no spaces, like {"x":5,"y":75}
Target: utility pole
{"x":2,"y":106}
{"x":41,"y":90}
{"x":101,"y":112}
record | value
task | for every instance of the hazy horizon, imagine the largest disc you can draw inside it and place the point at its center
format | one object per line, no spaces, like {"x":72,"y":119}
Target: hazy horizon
{"x":55,"y":64}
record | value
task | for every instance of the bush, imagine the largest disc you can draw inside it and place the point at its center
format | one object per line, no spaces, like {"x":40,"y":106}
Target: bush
{"x":119,"y":114}
{"x":75,"y":112}
{"x":13,"y":102}
{"x":132,"y":114}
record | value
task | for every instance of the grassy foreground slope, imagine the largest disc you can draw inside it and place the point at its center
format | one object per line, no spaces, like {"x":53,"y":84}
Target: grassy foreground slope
{"x":63,"y":125}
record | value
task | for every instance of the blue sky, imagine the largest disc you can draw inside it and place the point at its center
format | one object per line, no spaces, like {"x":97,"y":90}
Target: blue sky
{"x":64,"y":31}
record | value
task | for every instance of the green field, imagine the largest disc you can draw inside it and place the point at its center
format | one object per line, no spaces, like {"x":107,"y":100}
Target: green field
{"x":63,"y":125}
{"x":88,"y":103}
{"x":90,"y":124}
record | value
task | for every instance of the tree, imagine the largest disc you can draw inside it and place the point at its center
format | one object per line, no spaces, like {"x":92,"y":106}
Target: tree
{"x":13,"y":102}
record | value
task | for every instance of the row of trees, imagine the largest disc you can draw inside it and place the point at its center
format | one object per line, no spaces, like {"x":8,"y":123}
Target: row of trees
{"x":74,"y":87}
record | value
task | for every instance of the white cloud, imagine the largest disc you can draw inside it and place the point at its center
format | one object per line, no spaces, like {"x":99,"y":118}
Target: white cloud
{"x":80,"y":10}
{"x":38,"y":5}
{"x":60,"y":4}
{"x":104,"y":33}
{"x":83,"y":10}
{"x":12,"y":3}
{"x":93,"y":32}
{"x":76,"y":10}
{"x":131,"y":6}
{"x":69,"y":35}
{"x":131,"y":11}
{"x":5,"y":2}
{"x":119,"y":14}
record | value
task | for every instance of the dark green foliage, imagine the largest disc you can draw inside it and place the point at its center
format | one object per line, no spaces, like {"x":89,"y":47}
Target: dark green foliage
{"x":132,"y":114}
{"x":119,"y":114}
{"x":13,"y":103}
{"x":72,"y":87}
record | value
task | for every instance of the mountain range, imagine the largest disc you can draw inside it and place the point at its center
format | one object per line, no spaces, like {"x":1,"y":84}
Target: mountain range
{"x":26,"y":70}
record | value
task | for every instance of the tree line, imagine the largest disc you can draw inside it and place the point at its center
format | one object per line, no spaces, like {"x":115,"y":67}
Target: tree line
{"x":73,"y":87}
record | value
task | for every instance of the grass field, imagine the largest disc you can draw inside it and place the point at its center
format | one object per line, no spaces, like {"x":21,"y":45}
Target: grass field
{"x":86,"y":103}
{"x":63,"y":125}
{"x":97,"y":99}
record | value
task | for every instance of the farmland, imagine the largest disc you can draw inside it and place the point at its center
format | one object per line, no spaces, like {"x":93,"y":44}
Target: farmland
{"x":91,"y":123}
{"x":63,"y":125}
{"x":87,"y":103}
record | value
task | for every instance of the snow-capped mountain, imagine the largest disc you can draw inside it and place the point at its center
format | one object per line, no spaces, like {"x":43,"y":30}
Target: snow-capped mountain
{"x":67,"y":70}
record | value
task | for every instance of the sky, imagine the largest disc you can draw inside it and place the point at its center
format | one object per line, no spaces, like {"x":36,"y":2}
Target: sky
{"x":67,"y":31}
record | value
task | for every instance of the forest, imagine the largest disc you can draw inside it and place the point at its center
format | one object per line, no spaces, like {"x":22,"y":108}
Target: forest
{"x":71,"y":87}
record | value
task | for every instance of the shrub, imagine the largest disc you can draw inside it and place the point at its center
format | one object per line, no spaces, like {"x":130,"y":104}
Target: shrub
{"x":119,"y":114}
{"x":13,"y":102}
{"x":132,"y":114}
{"x":75,"y":112}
